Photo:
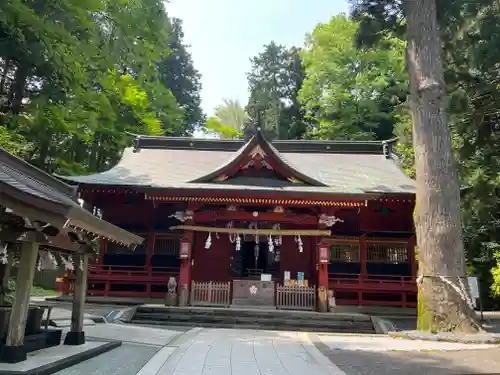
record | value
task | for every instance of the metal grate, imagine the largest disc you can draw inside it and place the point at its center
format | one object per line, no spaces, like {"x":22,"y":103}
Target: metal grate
{"x":387,"y":253}
{"x":167,"y":246}
{"x":344,"y":252}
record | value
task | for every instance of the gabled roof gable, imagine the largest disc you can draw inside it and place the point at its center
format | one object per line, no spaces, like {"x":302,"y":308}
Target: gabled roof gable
{"x":258,"y":153}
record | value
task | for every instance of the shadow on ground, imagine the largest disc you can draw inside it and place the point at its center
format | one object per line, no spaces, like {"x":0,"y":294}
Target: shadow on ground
{"x":414,"y":363}
{"x":485,"y":361}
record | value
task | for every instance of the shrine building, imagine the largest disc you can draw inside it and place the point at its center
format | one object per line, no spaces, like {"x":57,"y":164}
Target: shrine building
{"x":244,"y":223}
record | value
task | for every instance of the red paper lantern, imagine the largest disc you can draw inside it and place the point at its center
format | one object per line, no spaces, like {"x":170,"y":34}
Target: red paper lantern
{"x":323,"y":253}
{"x":185,"y":249}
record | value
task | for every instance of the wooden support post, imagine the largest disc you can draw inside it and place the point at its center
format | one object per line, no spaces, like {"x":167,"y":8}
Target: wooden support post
{"x":411,"y":254}
{"x":14,"y":350}
{"x":322,"y":279}
{"x":76,"y":336}
{"x":149,"y":254}
{"x":7,"y":269}
{"x":102,"y":251}
{"x":185,"y":274}
{"x":362,"y":256}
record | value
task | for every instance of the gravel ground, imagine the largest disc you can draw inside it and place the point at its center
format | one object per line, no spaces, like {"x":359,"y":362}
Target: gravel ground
{"x":470,"y":362}
{"x":417,"y":363}
{"x":128,"y":359}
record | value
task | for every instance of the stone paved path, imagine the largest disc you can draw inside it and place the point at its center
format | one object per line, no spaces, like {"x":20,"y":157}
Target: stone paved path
{"x":245,"y":352}
{"x":153,"y":351}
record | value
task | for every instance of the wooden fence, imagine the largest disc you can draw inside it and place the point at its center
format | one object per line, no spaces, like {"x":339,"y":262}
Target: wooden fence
{"x":210,"y":293}
{"x":295,"y":297}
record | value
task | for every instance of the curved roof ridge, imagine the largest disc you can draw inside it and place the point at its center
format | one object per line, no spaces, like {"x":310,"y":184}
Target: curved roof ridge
{"x":258,"y":140}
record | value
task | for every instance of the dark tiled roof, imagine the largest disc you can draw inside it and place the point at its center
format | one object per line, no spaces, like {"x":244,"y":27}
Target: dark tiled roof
{"x":180,"y":163}
{"x":30,"y":192}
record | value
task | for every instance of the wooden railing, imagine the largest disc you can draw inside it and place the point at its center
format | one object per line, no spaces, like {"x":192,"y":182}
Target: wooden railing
{"x":210,"y":293}
{"x":295,"y":297}
{"x":391,"y":281}
{"x":111,"y":277}
{"x":131,"y":273}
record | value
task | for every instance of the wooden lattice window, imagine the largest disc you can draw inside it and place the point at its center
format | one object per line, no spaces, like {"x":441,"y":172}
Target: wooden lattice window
{"x":344,"y":252}
{"x":387,"y":253}
{"x":167,"y":246}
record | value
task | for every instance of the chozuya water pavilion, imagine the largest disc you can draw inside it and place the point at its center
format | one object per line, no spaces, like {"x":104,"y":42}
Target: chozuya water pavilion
{"x":236,"y":222}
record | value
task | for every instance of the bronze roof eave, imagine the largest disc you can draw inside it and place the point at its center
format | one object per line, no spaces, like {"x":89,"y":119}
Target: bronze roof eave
{"x":86,"y":222}
{"x":221,"y":192}
{"x":28,"y":169}
{"x":61,"y":242}
{"x":61,"y":215}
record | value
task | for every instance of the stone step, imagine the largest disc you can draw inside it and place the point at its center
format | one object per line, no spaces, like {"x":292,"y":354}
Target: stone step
{"x":316,"y":322}
{"x":237,"y":319}
{"x":278,"y":314}
{"x":254,"y":325}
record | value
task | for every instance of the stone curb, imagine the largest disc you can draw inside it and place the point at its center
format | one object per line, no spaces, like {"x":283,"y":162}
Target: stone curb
{"x":486,"y":338}
{"x":310,"y":344}
{"x":64,"y":363}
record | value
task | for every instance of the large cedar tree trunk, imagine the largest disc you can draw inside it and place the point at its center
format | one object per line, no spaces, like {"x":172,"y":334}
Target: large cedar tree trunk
{"x":443,"y":292}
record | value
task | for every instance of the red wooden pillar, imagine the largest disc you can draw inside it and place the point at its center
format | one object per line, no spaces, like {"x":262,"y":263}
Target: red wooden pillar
{"x":363,"y":273}
{"x":323,"y":259}
{"x":411,"y":254}
{"x":102,"y":251}
{"x":185,"y":269}
{"x":362,"y":256}
{"x":149,"y":253}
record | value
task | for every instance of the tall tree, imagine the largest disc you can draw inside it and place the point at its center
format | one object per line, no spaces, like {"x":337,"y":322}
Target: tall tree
{"x":74,"y":77}
{"x":350,"y":93}
{"x":444,"y":301}
{"x":179,"y":75}
{"x":274,"y":82}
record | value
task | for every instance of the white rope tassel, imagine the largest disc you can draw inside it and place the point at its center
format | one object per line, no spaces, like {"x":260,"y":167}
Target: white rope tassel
{"x":299,"y":243}
{"x":209,"y":241}
{"x":53,"y":259}
{"x":271,"y":245}
{"x":4,"y":257}
{"x":279,"y":239}
{"x":232,"y":236}
{"x":68,"y":263}
{"x":238,"y":242}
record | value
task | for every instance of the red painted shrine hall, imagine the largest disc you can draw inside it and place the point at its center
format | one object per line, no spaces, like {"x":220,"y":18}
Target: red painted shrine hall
{"x":328,"y":215}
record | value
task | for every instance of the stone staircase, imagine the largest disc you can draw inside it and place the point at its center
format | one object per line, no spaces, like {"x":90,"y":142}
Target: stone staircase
{"x":252,"y":319}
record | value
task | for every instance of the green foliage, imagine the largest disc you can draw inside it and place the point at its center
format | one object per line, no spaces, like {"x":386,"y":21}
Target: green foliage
{"x":351,"y":93}
{"x":214,"y":126}
{"x":76,"y":76}
{"x":274,"y":81}
{"x":178,"y":74}
{"x":495,"y":285}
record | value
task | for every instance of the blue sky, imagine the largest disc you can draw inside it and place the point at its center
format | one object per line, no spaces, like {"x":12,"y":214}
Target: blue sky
{"x":225,"y":34}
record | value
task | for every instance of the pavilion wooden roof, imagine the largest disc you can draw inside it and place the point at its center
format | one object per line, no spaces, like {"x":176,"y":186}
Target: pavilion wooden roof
{"x":322,"y":168}
{"x":48,"y":205}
